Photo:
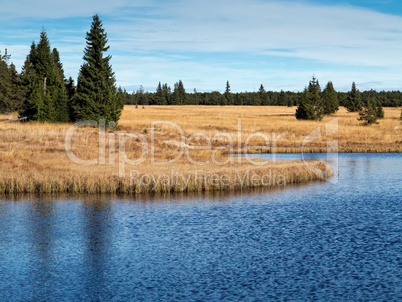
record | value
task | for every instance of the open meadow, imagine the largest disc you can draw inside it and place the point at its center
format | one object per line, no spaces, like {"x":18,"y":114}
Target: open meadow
{"x":181,"y":148}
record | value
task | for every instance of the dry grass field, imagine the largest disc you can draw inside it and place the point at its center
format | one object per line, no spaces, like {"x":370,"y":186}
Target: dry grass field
{"x":180,"y":148}
{"x":275,"y":122}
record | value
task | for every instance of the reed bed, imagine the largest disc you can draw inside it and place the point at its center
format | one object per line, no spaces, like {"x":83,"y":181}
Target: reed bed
{"x":244,"y":177}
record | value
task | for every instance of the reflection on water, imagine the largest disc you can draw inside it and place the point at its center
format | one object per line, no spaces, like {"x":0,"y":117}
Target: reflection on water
{"x":320,"y":241}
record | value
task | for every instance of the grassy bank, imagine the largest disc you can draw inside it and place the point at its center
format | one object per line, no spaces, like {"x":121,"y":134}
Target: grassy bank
{"x":191,"y":153}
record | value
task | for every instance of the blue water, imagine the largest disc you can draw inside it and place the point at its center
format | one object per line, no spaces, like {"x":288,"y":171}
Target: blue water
{"x":321,"y":241}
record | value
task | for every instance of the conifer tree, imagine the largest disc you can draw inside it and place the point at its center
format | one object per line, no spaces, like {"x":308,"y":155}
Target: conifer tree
{"x":282,"y":101}
{"x":369,"y":113}
{"x":159,"y":97}
{"x":227,"y":98}
{"x":140,"y":97}
{"x":353,"y":102}
{"x":6,"y":86}
{"x":166,"y":90}
{"x":96,"y":93}
{"x":46,"y":95}
{"x":179,"y":96}
{"x":311,"y":106}
{"x":263,"y":96}
{"x":330,"y":99}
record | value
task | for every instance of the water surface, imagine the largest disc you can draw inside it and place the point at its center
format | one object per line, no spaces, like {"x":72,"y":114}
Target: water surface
{"x":321,"y":241}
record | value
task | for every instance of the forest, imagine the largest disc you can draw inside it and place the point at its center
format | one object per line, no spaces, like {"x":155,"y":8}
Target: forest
{"x":164,"y":95}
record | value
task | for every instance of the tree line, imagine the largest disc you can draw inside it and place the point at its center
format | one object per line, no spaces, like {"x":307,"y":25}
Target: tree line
{"x":164,"y":95}
{"x":42,"y":93}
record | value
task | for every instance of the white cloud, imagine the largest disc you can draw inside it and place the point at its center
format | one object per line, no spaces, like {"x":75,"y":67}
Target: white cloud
{"x":331,"y":34}
{"x":154,"y":41}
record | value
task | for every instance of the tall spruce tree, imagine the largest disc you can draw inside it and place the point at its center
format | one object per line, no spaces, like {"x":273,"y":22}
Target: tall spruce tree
{"x":46,"y":95}
{"x":159,"y":97}
{"x":227,"y":98}
{"x":353,"y":102}
{"x":96,"y":93}
{"x":330,"y":99}
{"x":311,"y":105}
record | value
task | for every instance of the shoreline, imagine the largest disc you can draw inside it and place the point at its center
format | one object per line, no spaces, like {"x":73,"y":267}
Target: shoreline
{"x":245,"y":177}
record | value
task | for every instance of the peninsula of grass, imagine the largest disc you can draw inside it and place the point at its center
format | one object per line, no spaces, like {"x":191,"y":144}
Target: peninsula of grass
{"x":191,"y":150}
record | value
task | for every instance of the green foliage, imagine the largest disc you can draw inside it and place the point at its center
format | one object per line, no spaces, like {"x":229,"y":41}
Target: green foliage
{"x":330,"y":99}
{"x":282,"y":99}
{"x":179,"y":96}
{"x":262,"y":94}
{"x":353,"y":101}
{"x":370,"y":112}
{"x":11,"y":95}
{"x":96,"y":95}
{"x":227,"y":98}
{"x":43,"y":79}
{"x":160,"y":98}
{"x":140,"y":97}
{"x":311,"y":105}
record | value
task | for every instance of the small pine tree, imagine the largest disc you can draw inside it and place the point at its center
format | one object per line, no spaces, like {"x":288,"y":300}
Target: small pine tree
{"x":369,"y":113}
{"x":311,"y":106}
{"x":353,"y":102}
{"x":330,"y":99}
{"x":96,"y":93}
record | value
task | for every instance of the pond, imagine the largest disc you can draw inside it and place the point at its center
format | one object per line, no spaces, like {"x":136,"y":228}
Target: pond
{"x":338,"y":240}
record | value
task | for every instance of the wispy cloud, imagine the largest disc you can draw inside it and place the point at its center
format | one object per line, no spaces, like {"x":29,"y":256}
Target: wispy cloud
{"x":249,"y":42}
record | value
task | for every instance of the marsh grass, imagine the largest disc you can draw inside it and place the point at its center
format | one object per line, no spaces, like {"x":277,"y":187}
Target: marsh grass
{"x":33,"y":157}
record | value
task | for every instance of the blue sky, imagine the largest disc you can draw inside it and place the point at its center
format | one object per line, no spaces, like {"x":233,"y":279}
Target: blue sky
{"x":279,"y":44}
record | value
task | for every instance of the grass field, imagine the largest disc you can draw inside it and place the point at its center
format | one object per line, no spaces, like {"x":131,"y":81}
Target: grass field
{"x":187,"y":152}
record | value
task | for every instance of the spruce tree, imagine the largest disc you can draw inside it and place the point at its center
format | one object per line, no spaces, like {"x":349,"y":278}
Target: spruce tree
{"x":167,"y":91}
{"x":96,"y":93}
{"x":353,"y":102}
{"x":179,"y":96}
{"x":6,"y":87}
{"x":62,"y":100}
{"x":330,"y":99}
{"x":46,"y":95}
{"x":159,"y":97}
{"x":369,"y":113}
{"x":311,"y":106}
{"x":263,"y":96}
{"x":227,"y":98}
{"x":140,"y":97}
{"x":282,"y":101}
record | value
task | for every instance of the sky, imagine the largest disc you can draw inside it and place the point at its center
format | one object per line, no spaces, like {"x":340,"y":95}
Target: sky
{"x":280,"y":44}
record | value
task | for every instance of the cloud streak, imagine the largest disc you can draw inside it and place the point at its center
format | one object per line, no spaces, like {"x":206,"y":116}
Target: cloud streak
{"x":246,"y":42}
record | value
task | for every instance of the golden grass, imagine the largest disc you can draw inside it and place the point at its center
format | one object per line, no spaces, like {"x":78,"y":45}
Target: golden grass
{"x":33,"y":157}
{"x":274,"y":121}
